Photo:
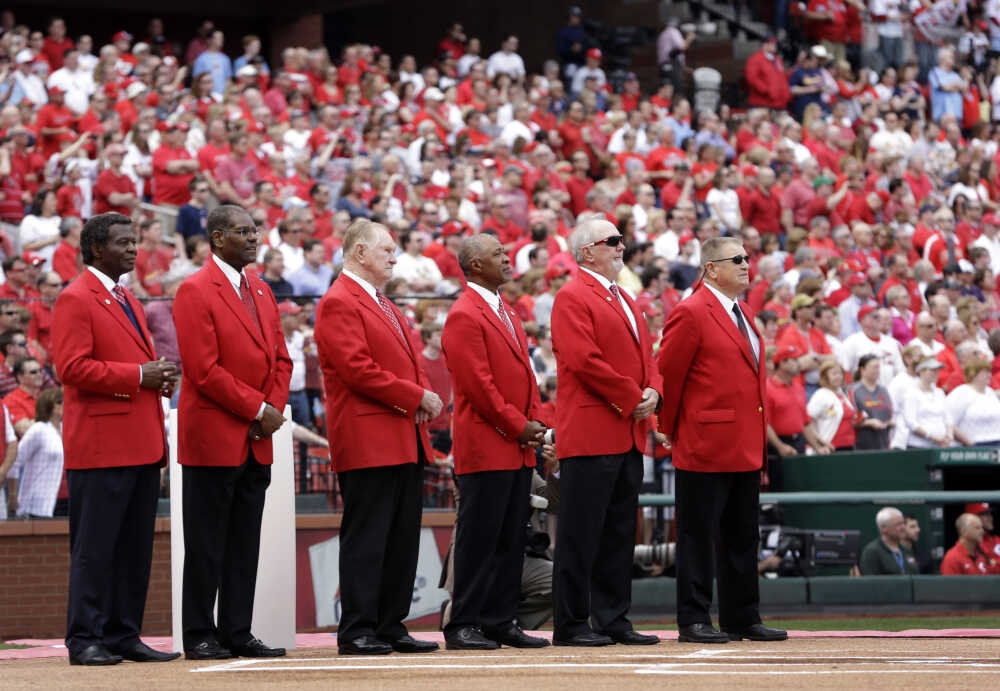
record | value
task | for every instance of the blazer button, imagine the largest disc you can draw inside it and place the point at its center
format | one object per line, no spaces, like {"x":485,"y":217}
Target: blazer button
{"x":760,"y":409}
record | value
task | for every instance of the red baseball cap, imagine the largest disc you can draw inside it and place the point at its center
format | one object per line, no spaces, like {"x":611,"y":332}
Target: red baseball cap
{"x":56,"y":90}
{"x":748,"y":170}
{"x":992,"y":219}
{"x":32,"y":258}
{"x":595,"y":53}
{"x":452,"y":228}
{"x":786,"y":352}
{"x":288,"y":307}
{"x":977,"y":508}
{"x":121,"y":36}
{"x":856,"y":279}
{"x":556,"y":270}
{"x":865,"y":311}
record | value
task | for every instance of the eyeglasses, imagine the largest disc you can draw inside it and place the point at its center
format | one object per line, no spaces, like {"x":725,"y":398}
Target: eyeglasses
{"x":32,"y":371}
{"x":245,"y":234}
{"x":612,"y":241}
{"x":738,"y":259}
{"x":10,"y":313}
{"x":50,"y":285}
{"x":23,"y":344}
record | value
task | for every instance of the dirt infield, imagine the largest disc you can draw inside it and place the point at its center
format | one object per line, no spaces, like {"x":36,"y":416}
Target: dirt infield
{"x":822,"y":663}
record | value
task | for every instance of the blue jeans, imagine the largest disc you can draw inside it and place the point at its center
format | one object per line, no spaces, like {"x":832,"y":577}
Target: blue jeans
{"x":300,"y":408}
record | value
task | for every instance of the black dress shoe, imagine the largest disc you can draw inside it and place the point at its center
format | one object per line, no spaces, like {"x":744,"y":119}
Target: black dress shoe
{"x":409,"y":644}
{"x":256,"y":648}
{"x":469,"y":638}
{"x":141,"y":652}
{"x":632,"y":637}
{"x":94,"y":655}
{"x":701,"y":633}
{"x":515,"y":637}
{"x":207,"y":650}
{"x":363,"y":645}
{"x":587,"y":640}
{"x":757,"y":632}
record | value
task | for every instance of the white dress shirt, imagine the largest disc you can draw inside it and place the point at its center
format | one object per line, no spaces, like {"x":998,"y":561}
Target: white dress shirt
{"x":492,"y":299}
{"x":607,"y":286}
{"x":727,"y":304}
{"x":365,"y":285}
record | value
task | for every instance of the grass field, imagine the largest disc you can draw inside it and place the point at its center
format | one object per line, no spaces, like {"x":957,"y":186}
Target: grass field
{"x":9,"y":646}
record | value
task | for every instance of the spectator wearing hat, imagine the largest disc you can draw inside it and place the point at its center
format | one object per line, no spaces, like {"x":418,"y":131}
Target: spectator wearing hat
{"x":767,"y":83}
{"x":861,"y":295}
{"x":924,"y":410}
{"x":871,"y":341}
{"x":556,"y":276}
{"x":452,"y":233}
{"x":114,"y":191}
{"x":990,"y":544}
{"x":807,"y":339}
{"x":831,"y":410}
{"x":313,"y":278}
{"x":967,"y":557}
{"x":974,"y":407}
{"x":789,"y":428}
{"x":590,"y":70}
{"x":27,"y":86}
{"x":251,"y":56}
{"x":173,"y":167}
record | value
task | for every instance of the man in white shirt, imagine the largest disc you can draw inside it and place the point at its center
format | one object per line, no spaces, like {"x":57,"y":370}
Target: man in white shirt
{"x":76,"y":82}
{"x":871,"y":341}
{"x":990,"y":240}
{"x":892,"y":140}
{"x":926,"y":330}
{"x":420,"y":273}
{"x":521,"y":126}
{"x":861,"y":295}
{"x":592,"y":69}
{"x":506,"y":61}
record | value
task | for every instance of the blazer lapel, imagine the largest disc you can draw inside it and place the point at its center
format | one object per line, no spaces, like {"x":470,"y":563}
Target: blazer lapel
{"x":137,"y":310}
{"x":727,"y":325}
{"x":605,"y":295}
{"x":366,"y":301}
{"x":109,"y":303}
{"x":228,"y":294}
{"x":520,"y":349}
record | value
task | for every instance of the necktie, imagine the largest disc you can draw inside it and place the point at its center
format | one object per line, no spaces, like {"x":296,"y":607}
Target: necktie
{"x":248,"y":302}
{"x":743,"y":330}
{"x":119,"y":292}
{"x":613,"y":288}
{"x":383,"y":302}
{"x":505,"y":318}
{"x":120,"y":295}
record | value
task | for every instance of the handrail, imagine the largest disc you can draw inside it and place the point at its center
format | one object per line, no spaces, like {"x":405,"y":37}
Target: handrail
{"x":931,"y":497}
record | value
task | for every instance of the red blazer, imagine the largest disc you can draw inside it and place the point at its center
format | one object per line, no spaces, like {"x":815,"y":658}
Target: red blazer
{"x":494,"y":387}
{"x":108,"y":419}
{"x":713,"y":398}
{"x":228,"y":368}
{"x":372,"y":379}
{"x":602,"y":371}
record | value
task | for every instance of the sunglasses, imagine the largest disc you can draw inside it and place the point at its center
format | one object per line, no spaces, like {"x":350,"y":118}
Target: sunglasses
{"x":612,"y":241}
{"x":738,"y":259}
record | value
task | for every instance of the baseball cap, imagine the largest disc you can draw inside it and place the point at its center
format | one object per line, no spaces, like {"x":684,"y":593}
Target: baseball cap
{"x":856,"y":279}
{"x":992,"y":219}
{"x":247,"y":71}
{"x":595,"y":53}
{"x":140,"y":47}
{"x":434,"y":94}
{"x":32,"y":258}
{"x":977,"y":508}
{"x":819,"y":52}
{"x":121,"y":36}
{"x":24,"y":56}
{"x":865,"y":311}
{"x":53,"y":89}
{"x":786,"y":352}
{"x":288,"y":307}
{"x":748,"y":170}
{"x":452,"y":228}
{"x":489,"y":163}
{"x":511,"y":168}
{"x":929,"y":363}
{"x":557,"y":269}
{"x":134,"y":89}
{"x":575,"y":11}
{"x":822,"y":180}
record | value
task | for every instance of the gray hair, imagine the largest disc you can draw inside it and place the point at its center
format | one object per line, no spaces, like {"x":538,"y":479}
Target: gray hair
{"x":360,"y":231}
{"x":885,"y":515}
{"x":766,"y":263}
{"x":472,"y":248}
{"x":585,"y":233}
{"x":67,"y":224}
{"x":711,"y":247}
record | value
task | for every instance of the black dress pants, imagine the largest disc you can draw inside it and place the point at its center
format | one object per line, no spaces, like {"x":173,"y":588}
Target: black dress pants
{"x":717,"y":532}
{"x":489,"y":548}
{"x":379,"y":539}
{"x":112,"y":515}
{"x":223,"y":507}
{"x":595,"y":542}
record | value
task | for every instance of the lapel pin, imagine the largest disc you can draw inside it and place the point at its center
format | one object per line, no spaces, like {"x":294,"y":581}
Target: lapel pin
{"x":608,"y":298}
{"x":107,"y":302}
{"x":260,"y":292}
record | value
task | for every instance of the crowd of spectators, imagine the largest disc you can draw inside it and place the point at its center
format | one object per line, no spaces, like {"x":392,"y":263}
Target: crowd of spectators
{"x":864,"y":187}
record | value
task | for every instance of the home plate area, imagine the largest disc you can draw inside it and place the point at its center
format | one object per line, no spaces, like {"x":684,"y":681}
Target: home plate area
{"x":854,"y":662}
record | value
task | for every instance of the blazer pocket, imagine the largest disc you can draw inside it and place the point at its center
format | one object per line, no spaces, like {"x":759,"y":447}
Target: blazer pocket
{"x":110,"y":408}
{"x":718,"y":415}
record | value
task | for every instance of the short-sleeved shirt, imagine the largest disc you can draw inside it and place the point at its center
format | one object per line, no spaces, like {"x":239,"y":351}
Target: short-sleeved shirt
{"x":875,"y":404}
{"x":786,"y":407}
{"x":958,"y":562}
{"x":167,"y":188}
{"x":107,"y":184}
{"x":242,"y":175}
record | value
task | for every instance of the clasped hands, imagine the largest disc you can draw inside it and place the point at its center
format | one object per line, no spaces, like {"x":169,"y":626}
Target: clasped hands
{"x":161,"y":375}
{"x":647,"y":405}
{"x":430,"y":407}
{"x":269,"y":423}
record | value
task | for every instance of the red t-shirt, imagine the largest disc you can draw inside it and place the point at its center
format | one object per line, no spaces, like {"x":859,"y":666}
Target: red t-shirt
{"x":440,"y":381}
{"x":150,"y":267}
{"x":209,"y":155}
{"x":51,"y":115}
{"x":786,"y":407}
{"x":64,"y":261}
{"x":53,"y":51}
{"x":69,"y":201}
{"x":957,"y":560}
{"x":167,"y":188}
{"x":107,"y":184}
{"x":20,"y":404}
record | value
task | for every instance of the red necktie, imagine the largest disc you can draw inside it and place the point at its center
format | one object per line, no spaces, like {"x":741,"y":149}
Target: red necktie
{"x":119,"y":292}
{"x":620,"y":307}
{"x":248,"y":302}
{"x":383,"y":302}
{"x":505,"y":318}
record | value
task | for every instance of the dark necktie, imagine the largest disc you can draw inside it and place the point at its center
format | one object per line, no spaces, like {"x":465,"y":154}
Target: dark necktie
{"x":383,"y":302}
{"x":618,"y":303}
{"x":119,"y":293}
{"x":743,"y":330}
{"x":248,"y":302}
{"x":505,"y":318}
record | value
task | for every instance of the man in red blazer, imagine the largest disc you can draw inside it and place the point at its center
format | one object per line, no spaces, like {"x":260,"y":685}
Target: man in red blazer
{"x":608,"y":391}
{"x":711,"y":360}
{"x":114,"y":446}
{"x":236,"y":373}
{"x":495,"y":433}
{"x":377,"y":401}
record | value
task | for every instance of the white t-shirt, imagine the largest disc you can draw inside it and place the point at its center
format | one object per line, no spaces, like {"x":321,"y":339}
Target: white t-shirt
{"x":826,"y":410}
{"x":926,"y":411}
{"x":886,"y":348}
{"x":297,"y":354}
{"x":977,"y":415}
{"x":35,"y":228}
{"x":728,"y":203}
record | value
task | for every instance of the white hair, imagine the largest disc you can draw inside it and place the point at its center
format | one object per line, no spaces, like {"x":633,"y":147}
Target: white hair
{"x":585,"y":233}
{"x":885,"y":515}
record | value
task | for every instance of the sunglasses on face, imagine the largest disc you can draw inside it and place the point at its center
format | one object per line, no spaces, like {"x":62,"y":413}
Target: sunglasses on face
{"x":738,"y":259}
{"x":612,"y":241}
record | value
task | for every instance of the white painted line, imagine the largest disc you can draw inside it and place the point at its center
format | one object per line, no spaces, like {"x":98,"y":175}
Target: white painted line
{"x":741,"y":673}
